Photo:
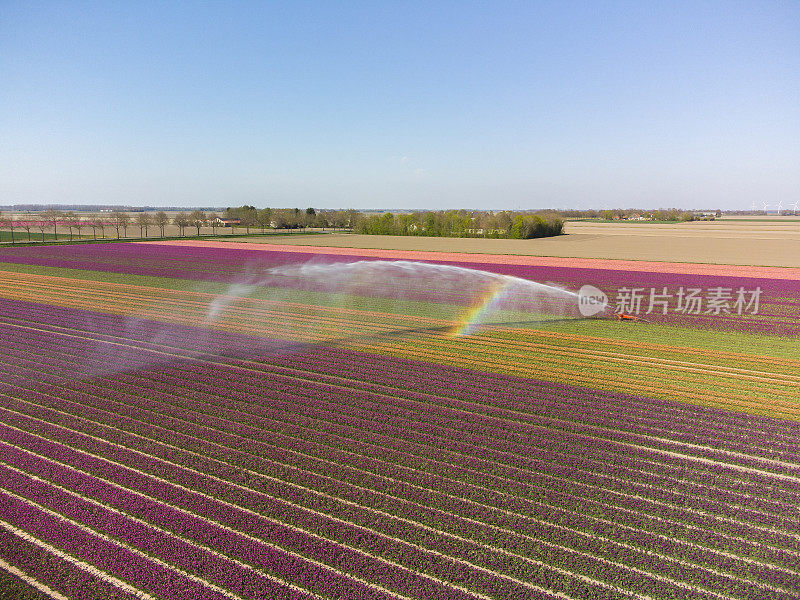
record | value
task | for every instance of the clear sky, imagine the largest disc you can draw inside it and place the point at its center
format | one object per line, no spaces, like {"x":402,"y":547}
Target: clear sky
{"x":487,"y":105}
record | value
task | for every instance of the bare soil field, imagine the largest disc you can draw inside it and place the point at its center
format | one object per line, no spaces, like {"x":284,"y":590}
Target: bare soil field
{"x":735,"y":242}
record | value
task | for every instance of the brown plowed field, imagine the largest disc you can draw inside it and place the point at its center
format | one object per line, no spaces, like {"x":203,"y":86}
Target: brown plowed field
{"x":760,"y":242}
{"x":330,"y":247}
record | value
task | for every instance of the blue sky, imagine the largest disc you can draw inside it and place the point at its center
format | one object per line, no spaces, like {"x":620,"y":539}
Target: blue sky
{"x":487,"y":105}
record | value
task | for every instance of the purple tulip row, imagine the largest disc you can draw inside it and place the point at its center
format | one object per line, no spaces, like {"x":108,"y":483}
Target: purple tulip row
{"x":552,"y":468}
{"x":55,"y":572}
{"x":191,"y":558}
{"x":571,"y":542}
{"x":106,"y":555}
{"x":494,"y":388}
{"x":226,"y":408}
{"x":147,"y":334}
{"x":669,"y":545}
{"x":572,"y":559}
{"x":150,"y":393}
{"x":718,"y":428}
{"x":371,"y":369}
{"x":223,"y":540}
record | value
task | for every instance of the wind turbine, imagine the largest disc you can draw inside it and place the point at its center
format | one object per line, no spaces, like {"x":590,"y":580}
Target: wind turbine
{"x":780,"y":207}
{"x":794,"y":206}
{"x":765,"y":208}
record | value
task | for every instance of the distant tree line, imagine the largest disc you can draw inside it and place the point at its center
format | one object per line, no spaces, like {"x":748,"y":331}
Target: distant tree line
{"x":463,"y":223}
{"x":623,"y":214}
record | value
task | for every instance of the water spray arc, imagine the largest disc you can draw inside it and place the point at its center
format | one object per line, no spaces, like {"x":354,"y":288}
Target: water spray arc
{"x":479,"y":297}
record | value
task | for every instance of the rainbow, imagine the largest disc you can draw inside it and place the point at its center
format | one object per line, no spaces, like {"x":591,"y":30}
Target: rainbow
{"x":466,"y":324}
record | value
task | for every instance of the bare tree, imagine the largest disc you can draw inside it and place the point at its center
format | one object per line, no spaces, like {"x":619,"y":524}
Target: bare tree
{"x":161,"y":220}
{"x":197,"y":219}
{"x":52,"y":216}
{"x":96,"y":222}
{"x":26,"y":225}
{"x":120,"y":220}
{"x":6,"y":223}
{"x":72,"y":221}
{"x":9,"y":222}
{"x":143,"y":220}
{"x":182,"y":221}
{"x":41,"y":226}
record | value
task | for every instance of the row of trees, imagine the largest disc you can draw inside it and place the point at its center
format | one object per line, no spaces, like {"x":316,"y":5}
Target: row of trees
{"x":290,"y":218}
{"x":117,"y":220}
{"x":462,"y":223}
{"x":246,"y":217}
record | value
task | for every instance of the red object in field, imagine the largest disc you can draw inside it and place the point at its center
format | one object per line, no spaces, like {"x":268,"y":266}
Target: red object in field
{"x":624,"y":317}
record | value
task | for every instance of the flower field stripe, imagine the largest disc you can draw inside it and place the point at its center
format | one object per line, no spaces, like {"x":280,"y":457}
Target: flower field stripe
{"x":358,"y":322}
{"x":106,"y":508}
{"x":640,"y":362}
{"x":385,"y":514}
{"x":112,"y":421}
{"x":754,"y":562}
{"x":691,"y":367}
{"x":30,"y":580}
{"x":483,"y":258}
{"x":649,"y":486}
{"x":83,"y":566}
{"x":243,"y":367}
{"x":452,"y":587}
{"x":16,"y":503}
{"x":151,"y":403}
{"x":743,"y":499}
{"x":585,"y":340}
{"x":251,"y":442}
{"x":121,"y":405}
{"x":525,"y":584}
{"x":640,"y":484}
{"x":674,"y":413}
{"x":200,"y":517}
{"x":688,"y":390}
{"x":660,"y":363}
{"x":60,"y":289}
{"x":681,"y":585}
{"x":574,"y":371}
{"x":793,"y":467}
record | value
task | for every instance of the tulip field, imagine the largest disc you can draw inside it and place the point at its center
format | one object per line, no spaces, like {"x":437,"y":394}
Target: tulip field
{"x":176,"y":425}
